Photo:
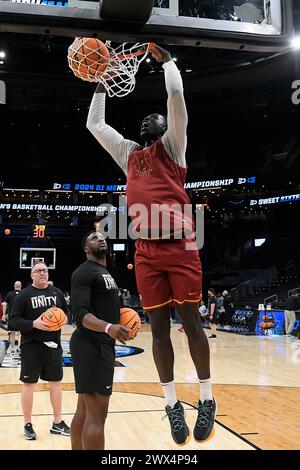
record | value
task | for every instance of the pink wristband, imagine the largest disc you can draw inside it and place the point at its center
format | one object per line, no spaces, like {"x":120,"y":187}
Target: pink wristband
{"x":107,"y":327}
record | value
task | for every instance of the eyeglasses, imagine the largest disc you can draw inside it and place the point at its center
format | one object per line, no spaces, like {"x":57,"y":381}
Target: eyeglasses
{"x":40,"y":271}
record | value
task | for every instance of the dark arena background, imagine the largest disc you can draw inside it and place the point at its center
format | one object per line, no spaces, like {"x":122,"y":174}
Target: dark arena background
{"x":242,"y":91}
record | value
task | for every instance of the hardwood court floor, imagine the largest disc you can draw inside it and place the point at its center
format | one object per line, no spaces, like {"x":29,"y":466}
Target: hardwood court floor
{"x":257,"y":387}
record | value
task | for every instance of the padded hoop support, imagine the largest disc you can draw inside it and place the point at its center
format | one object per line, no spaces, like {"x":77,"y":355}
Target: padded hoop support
{"x":129,"y":11}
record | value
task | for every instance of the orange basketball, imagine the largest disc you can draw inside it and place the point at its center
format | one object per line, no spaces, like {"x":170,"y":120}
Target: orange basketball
{"x":55,"y":318}
{"x":131,"y":319}
{"x":129,"y":266}
{"x":7,"y":231}
{"x":88,"y":58}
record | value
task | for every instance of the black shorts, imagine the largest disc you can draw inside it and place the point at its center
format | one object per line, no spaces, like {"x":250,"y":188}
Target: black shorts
{"x":9,"y":328}
{"x":93,"y":364}
{"x":40,"y":361}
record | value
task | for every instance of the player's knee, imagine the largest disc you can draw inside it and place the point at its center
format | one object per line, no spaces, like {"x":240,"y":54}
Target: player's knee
{"x":93,"y":428}
{"x":55,"y":385}
{"x":28,"y":388}
{"x":97,"y":418}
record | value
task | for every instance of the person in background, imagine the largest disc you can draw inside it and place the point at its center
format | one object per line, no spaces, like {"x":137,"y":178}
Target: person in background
{"x":68,"y":303}
{"x":228,"y":308}
{"x":126,"y":298}
{"x":289,"y":314}
{"x":203,"y":311}
{"x":212,"y":312}
{"x":7,"y":308}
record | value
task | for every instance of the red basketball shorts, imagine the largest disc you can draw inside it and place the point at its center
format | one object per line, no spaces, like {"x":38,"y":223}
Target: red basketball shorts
{"x":167,"y":272}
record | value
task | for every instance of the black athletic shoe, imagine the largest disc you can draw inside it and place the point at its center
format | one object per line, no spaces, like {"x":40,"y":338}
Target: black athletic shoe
{"x":212,"y":336}
{"x":29,"y":433}
{"x":205,"y":420}
{"x":179,"y":429}
{"x":60,"y":428}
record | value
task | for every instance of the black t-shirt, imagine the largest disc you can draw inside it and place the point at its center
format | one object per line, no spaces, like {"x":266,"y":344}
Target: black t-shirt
{"x":93,"y":290}
{"x":10,"y":298}
{"x":211,"y":300}
{"x":28,"y":306}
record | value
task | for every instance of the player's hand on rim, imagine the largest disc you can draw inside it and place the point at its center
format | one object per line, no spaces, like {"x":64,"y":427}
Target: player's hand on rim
{"x":160,"y":54}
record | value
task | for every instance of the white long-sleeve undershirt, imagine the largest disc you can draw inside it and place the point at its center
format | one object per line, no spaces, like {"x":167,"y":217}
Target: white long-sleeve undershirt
{"x":174,"y":139}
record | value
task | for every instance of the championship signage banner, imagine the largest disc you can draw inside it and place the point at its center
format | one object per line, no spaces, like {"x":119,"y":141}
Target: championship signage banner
{"x":275,"y":200}
{"x":194,"y":185}
{"x":60,"y":208}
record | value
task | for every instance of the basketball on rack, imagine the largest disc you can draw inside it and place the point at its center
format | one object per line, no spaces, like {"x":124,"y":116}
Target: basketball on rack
{"x":88,"y":58}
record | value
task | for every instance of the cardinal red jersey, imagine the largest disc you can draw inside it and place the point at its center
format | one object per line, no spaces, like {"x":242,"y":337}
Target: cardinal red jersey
{"x":156,"y":183}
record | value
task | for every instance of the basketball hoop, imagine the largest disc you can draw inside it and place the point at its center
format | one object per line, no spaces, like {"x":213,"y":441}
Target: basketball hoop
{"x":92,"y":60}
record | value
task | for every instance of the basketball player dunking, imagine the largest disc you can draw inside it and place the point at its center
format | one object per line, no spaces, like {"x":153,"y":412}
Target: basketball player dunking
{"x":96,"y":309}
{"x":166,"y":271}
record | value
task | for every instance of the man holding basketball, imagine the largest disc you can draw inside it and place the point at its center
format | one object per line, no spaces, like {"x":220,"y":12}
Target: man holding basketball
{"x":95,"y":301}
{"x":168,"y":268}
{"x":41,"y":351}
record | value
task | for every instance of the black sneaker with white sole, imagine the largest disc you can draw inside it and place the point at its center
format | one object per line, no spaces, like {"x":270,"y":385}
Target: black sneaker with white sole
{"x":29,"y":433}
{"x":179,"y":429}
{"x":205,"y":419}
{"x":60,"y":428}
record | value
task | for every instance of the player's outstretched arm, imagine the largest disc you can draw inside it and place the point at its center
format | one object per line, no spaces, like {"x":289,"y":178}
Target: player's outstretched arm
{"x":175,"y":139}
{"x":113,"y":142}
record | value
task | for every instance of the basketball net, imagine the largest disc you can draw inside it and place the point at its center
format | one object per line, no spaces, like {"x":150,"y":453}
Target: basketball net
{"x":122,"y":64}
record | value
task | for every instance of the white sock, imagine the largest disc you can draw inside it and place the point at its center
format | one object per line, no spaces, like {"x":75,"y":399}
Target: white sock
{"x":205,"y":390}
{"x":169,"y":393}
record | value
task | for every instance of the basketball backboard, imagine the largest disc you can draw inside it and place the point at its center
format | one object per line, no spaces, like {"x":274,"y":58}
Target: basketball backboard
{"x":261,"y":25}
{"x":29,"y":256}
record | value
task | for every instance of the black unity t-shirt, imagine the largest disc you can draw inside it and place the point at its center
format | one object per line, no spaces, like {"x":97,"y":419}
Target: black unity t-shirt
{"x":93,"y":290}
{"x":28,"y":306}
